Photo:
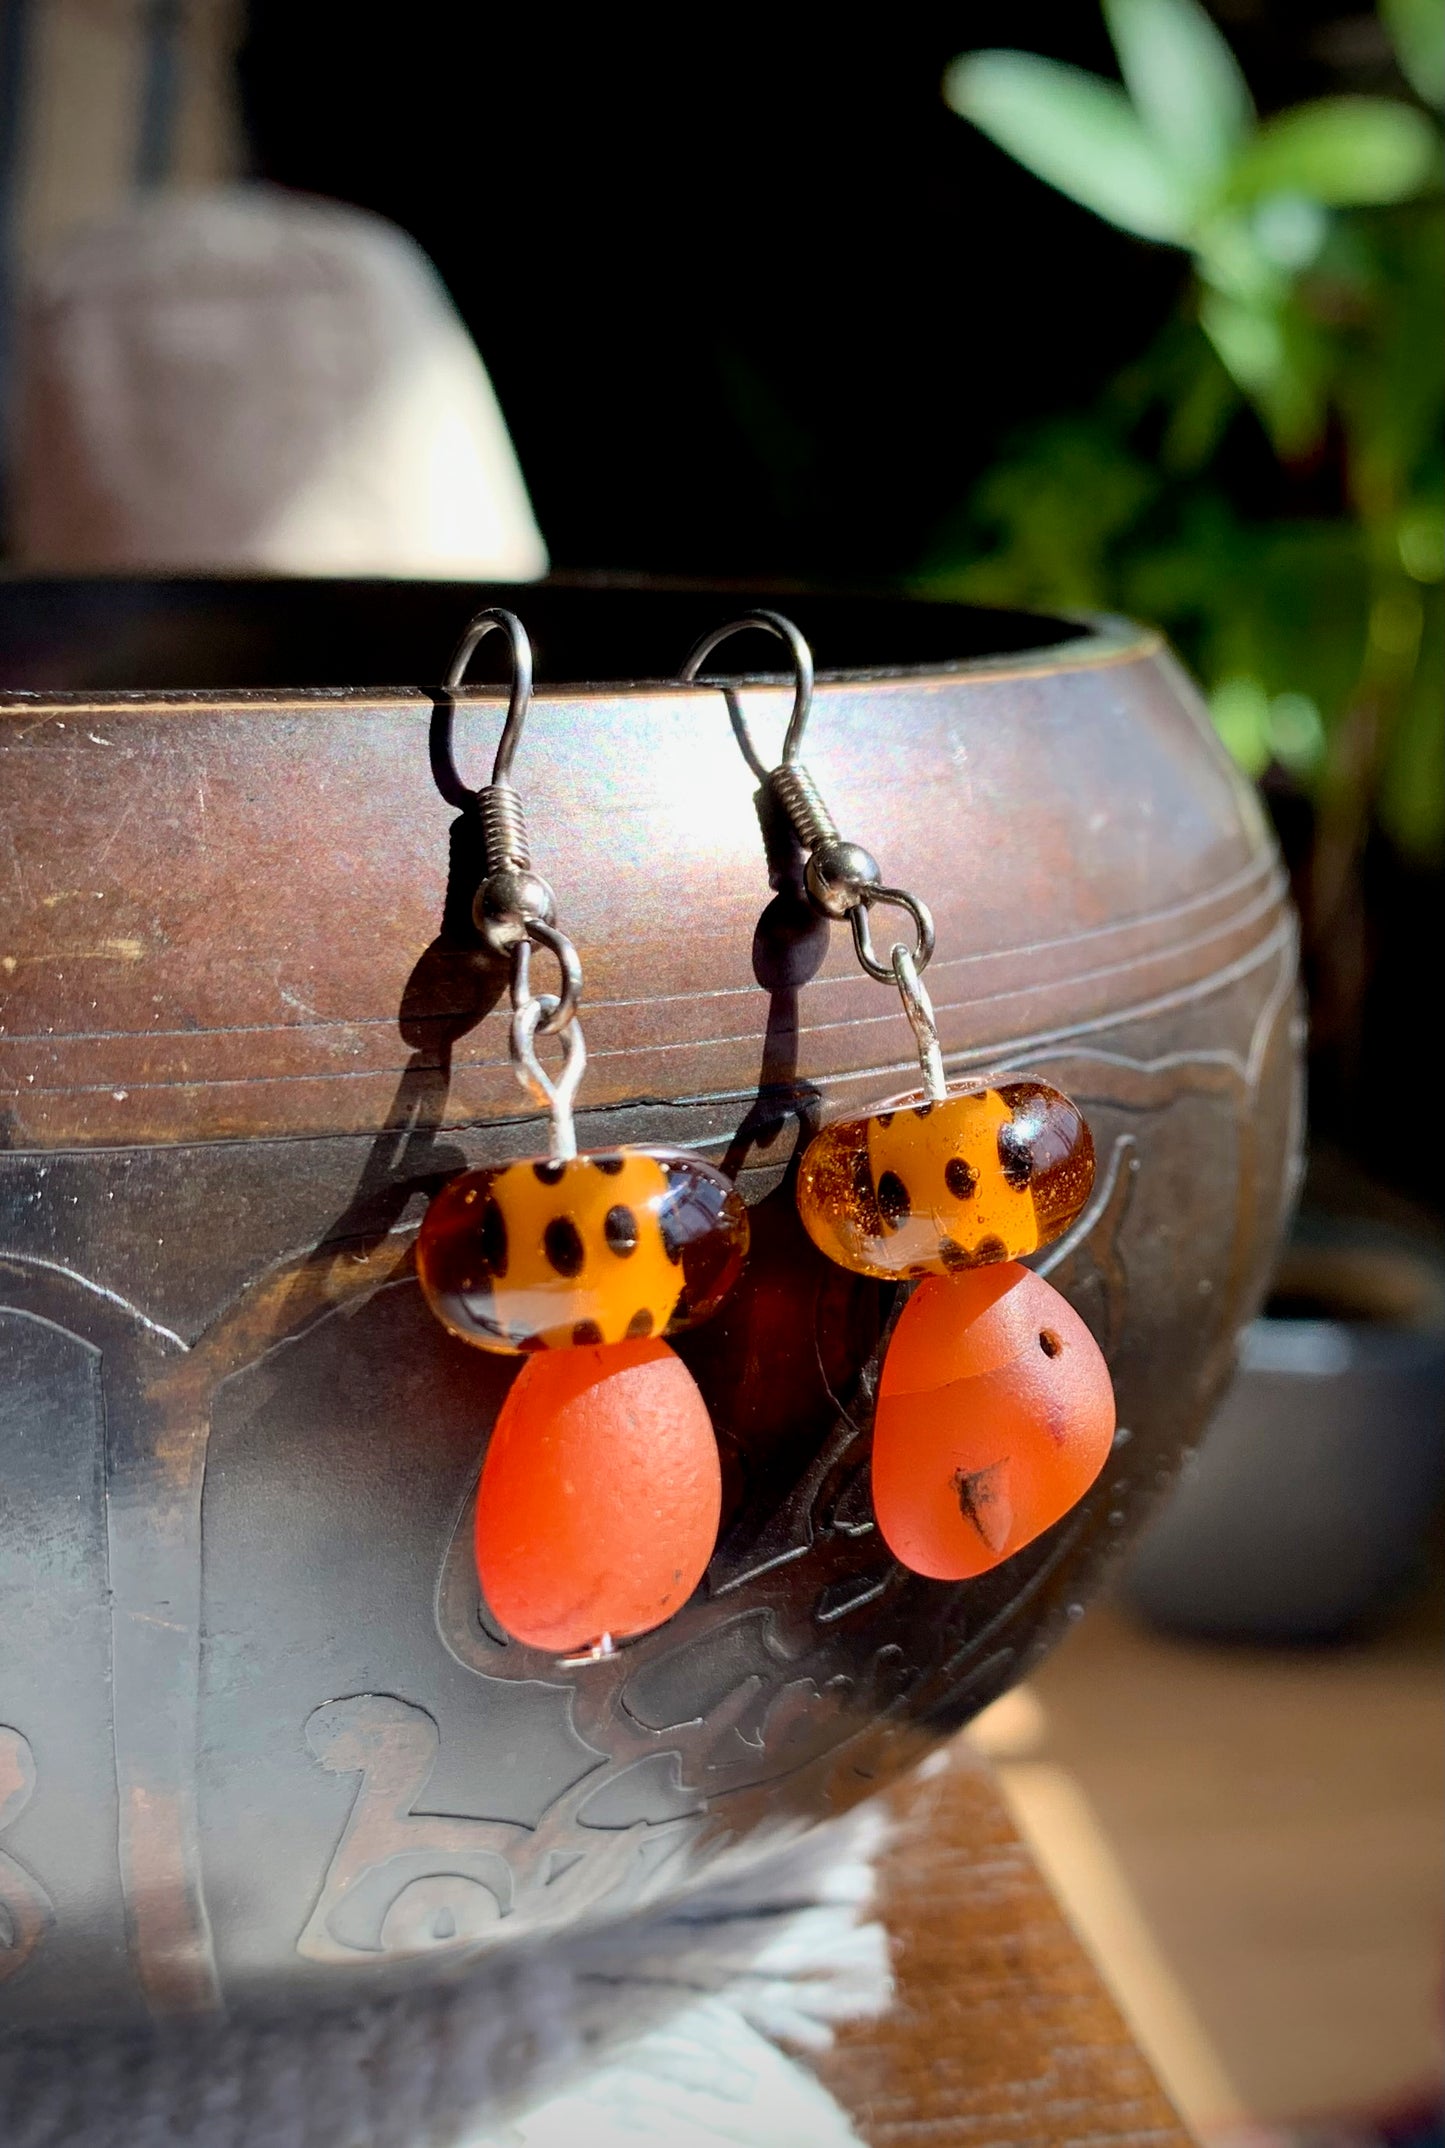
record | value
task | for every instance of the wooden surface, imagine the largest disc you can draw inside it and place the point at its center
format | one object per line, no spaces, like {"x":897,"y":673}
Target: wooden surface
{"x":1000,"y":2032}
{"x":1267,"y":1821}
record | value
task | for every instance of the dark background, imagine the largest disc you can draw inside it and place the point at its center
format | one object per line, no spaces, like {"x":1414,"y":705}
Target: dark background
{"x":753,"y":299}
{"x":757,"y":304}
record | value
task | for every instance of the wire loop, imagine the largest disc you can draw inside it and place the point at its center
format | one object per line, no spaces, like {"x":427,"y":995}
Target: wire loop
{"x":768,"y":623}
{"x":445,"y":773}
{"x":920,"y":955}
{"x":544,"y":1015}
{"x":565,"y":1003}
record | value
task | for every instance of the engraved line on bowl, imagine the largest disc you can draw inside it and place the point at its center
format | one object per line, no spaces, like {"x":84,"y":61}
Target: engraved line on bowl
{"x":1281,"y":941}
{"x":852,"y":1023}
{"x":834,"y":1084}
{"x":27,"y":1261}
{"x":152,"y":1538}
{"x":1099,"y":1199}
{"x":29,"y":1912}
{"x":843,"y":974}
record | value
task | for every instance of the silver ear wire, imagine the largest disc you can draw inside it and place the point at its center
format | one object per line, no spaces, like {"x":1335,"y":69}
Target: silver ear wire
{"x":512,"y":897}
{"x":768,"y":623}
{"x":842,"y":879}
{"x":515,"y":910}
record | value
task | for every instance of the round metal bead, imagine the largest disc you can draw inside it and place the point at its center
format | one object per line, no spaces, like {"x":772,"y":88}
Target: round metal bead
{"x":836,"y":875}
{"x":506,"y":902}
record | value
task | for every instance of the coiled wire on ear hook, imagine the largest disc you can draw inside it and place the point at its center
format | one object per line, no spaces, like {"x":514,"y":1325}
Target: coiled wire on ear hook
{"x":515,"y":910}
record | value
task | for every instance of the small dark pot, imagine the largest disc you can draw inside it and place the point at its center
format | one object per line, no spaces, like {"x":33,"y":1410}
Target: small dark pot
{"x":1305,"y":1509}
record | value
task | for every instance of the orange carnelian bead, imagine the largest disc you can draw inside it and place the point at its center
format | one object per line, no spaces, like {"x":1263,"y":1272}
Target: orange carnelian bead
{"x":598,"y":1506}
{"x":995,"y":1415}
{"x":925,"y":1188}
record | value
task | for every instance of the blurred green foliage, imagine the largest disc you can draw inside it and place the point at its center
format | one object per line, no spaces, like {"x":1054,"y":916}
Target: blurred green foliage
{"x":1313,"y":318}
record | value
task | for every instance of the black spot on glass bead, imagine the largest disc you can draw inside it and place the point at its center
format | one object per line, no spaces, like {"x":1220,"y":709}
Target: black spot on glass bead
{"x":1015,"y":1153}
{"x":953,"y":1255}
{"x":492,"y":1238}
{"x":549,"y":1172}
{"x":960,"y":1178}
{"x":989,"y":1249}
{"x":921,"y":1111}
{"x":1050,"y":1343}
{"x":562,"y":1244}
{"x":586,"y":1332}
{"x":893,"y":1201}
{"x":529,"y":1344}
{"x":884,"y":1118}
{"x":619,"y":1228}
{"x":610,"y":1164}
{"x":640,"y":1324}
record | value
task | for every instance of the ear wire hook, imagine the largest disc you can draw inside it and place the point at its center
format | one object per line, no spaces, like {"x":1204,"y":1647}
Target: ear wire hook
{"x":515,"y":909}
{"x":785,"y":631}
{"x":841,"y":878}
{"x":521,"y":696}
{"x":444,"y":767}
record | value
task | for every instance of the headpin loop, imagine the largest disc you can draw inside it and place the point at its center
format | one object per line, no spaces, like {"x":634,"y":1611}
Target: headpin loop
{"x":535,"y":1016}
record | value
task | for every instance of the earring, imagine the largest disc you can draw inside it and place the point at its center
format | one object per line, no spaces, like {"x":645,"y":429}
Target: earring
{"x":995,"y":1411}
{"x":598,"y":1505}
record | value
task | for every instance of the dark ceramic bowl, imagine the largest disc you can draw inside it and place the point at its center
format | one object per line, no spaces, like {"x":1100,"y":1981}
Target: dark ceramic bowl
{"x":261,"y":1744}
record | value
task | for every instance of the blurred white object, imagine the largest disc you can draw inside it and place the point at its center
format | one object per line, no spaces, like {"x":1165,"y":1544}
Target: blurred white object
{"x":707,"y":2080}
{"x":249,"y":380}
{"x":661,"y":2027}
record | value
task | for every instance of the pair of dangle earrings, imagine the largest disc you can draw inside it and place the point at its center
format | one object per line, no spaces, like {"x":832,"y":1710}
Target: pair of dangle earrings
{"x":600,"y":1496}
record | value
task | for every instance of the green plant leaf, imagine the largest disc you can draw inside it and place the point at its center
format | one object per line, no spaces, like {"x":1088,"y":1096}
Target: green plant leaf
{"x":1412,"y":788}
{"x":1248,"y":338}
{"x":1349,"y":152}
{"x":1274,"y":360}
{"x":1417,"y":32}
{"x":1240,"y":708}
{"x":1078,"y":133}
{"x":1185,"y":83}
{"x":1296,"y":733}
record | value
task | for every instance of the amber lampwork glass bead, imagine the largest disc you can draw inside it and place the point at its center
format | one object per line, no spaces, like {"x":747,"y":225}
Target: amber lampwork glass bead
{"x":598,"y":1506}
{"x":612,"y":1246}
{"x":931,"y":1189}
{"x":995,"y":1414}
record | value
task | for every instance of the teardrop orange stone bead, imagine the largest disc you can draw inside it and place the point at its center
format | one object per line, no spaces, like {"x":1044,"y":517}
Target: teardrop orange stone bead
{"x":995,"y":1415}
{"x":598,"y":1506}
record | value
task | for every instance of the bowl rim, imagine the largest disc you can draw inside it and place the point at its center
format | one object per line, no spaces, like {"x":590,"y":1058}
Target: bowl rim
{"x":1091,"y":641}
